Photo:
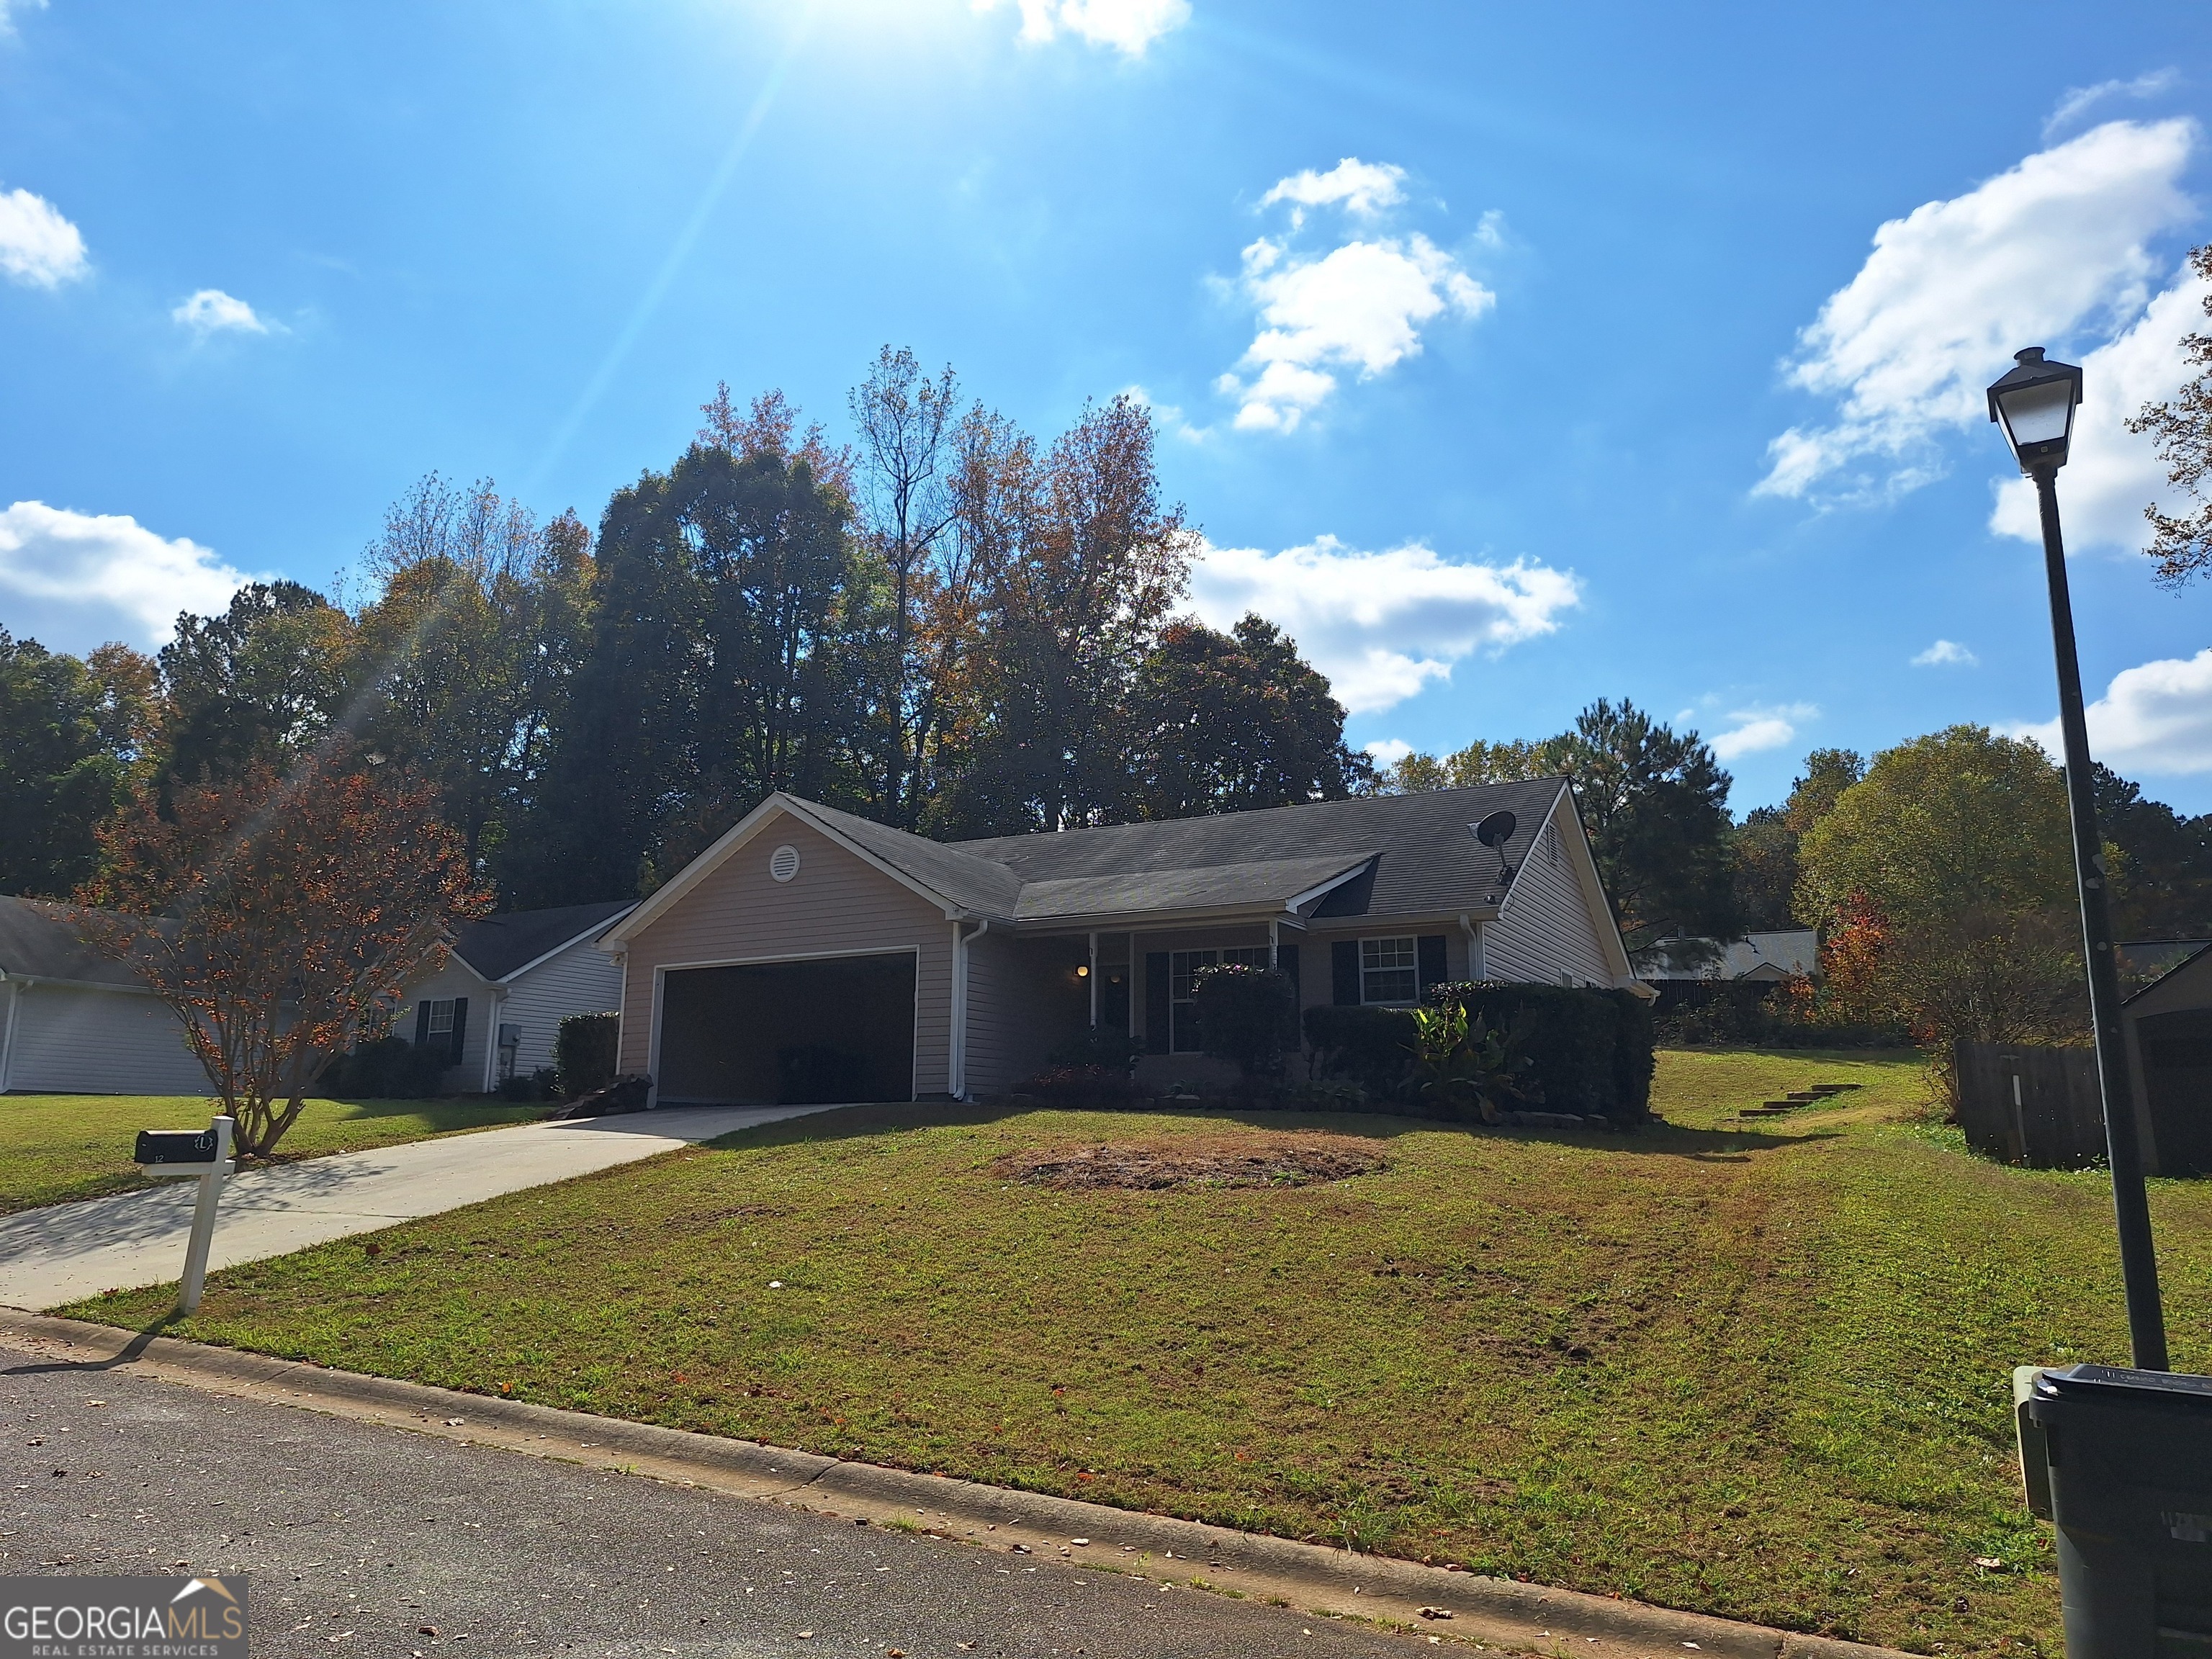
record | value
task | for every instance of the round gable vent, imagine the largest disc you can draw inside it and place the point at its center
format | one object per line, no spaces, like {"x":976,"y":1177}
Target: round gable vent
{"x":783,"y":863}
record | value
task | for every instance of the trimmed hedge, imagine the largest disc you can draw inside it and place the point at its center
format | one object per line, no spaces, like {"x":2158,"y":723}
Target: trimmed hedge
{"x":390,"y":1068}
{"x":1590,"y":1051}
{"x":584,"y":1054}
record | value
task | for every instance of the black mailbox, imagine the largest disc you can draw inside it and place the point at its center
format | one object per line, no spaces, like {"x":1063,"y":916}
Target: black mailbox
{"x":176,"y":1146}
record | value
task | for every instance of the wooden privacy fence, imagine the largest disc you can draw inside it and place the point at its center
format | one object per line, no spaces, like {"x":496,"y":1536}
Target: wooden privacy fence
{"x":2025,"y":1103}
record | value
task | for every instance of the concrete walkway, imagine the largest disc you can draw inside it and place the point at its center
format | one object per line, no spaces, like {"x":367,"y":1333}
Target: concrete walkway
{"x":64,"y":1252}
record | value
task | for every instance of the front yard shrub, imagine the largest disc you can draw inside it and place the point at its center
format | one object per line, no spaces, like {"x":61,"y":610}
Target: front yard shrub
{"x":390,"y":1068}
{"x":1372,"y":1047}
{"x":1590,"y":1051}
{"x":1079,"y":1085}
{"x":1098,"y":1047}
{"x":584,"y":1053}
{"x":1244,"y":1015}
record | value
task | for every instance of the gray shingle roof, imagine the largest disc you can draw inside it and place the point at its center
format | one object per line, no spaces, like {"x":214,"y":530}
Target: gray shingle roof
{"x":1426,"y":860}
{"x":497,"y":945}
{"x":40,"y":939}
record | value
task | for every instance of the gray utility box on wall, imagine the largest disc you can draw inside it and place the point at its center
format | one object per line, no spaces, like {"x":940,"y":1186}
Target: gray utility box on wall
{"x":2121,"y":1460}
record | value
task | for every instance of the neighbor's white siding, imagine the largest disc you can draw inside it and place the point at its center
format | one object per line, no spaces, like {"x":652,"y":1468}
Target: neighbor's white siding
{"x":69,"y":1040}
{"x":582,"y":979}
{"x":453,"y":980}
{"x":1545,"y":933}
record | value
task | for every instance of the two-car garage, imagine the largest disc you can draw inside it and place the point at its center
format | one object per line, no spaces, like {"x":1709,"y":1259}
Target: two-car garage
{"x":798,"y":1032}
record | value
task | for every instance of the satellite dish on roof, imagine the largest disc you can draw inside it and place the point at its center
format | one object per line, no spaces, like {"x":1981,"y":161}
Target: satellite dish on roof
{"x":1495,"y":831}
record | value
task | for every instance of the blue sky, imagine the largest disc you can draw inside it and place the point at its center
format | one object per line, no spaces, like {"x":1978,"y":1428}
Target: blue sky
{"x":1510,"y":356}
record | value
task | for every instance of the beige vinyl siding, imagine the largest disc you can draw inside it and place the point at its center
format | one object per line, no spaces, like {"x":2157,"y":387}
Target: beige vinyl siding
{"x":1545,"y":929}
{"x":466,"y":1076}
{"x":1024,"y":1001}
{"x":837,"y":902}
{"x":71,"y":1040}
{"x":582,"y":979}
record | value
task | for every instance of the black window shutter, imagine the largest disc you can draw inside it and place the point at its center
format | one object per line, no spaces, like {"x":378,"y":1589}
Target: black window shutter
{"x":460,"y":1025}
{"x":422,"y":1022}
{"x":1344,"y":973}
{"x":1429,"y":956}
{"x":1158,"y":986}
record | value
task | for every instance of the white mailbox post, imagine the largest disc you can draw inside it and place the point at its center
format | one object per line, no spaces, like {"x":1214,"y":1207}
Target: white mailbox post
{"x":170,"y":1154}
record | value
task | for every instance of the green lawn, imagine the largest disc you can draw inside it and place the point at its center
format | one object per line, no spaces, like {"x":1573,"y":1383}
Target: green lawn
{"x":57,"y":1147}
{"x":1761,"y":1373}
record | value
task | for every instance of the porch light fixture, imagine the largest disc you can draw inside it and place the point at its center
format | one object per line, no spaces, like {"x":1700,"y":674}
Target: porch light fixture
{"x":2034,"y":402}
{"x":1082,"y":970}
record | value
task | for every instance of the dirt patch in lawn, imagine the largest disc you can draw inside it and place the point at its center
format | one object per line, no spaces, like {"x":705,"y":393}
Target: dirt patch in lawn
{"x":1266,"y":1160}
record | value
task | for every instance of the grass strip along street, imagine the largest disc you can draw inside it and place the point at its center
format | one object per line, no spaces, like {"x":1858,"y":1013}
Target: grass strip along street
{"x":54,"y":1148}
{"x":1754,"y":1371}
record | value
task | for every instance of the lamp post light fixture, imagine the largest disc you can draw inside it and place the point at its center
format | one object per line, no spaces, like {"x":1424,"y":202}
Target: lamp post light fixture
{"x":2034,"y":402}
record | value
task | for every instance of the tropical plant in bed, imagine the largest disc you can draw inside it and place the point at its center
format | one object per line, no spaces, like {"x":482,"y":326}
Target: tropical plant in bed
{"x":1465,"y":1067}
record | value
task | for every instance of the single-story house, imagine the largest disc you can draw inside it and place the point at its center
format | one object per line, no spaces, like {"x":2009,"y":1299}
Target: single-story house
{"x":1761,"y":958}
{"x":810,"y":954}
{"x":76,"y":1022}
{"x":497,"y":1004}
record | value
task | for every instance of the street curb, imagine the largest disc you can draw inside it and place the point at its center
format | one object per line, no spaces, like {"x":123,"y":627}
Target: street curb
{"x":1309,"y":1577}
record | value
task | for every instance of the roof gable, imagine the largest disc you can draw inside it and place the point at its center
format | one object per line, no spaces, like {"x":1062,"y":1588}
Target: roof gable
{"x":499,"y":947}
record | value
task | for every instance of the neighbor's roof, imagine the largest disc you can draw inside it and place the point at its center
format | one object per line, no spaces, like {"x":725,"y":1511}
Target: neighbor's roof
{"x":499,"y":946}
{"x":1425,"y":857}
{"x":41,"y":940}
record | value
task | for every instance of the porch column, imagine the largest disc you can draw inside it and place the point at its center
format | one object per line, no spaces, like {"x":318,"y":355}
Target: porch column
{"x":1094,"y":980}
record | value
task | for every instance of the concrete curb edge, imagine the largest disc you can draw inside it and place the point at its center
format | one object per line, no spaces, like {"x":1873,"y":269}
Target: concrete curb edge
{"x":1311,"y":1577}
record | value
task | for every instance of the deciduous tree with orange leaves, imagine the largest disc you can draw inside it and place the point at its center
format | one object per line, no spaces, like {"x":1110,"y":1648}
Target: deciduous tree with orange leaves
{"x":280,"y":915}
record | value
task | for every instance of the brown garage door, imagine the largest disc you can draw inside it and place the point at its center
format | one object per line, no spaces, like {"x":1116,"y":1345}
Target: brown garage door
{"x":827,"y":1030}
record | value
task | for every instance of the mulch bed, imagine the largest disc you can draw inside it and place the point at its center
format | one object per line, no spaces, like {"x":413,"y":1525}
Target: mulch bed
{"x":1271,"y":1160}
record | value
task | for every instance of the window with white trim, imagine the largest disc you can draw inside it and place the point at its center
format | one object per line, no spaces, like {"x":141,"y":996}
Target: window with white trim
{"x":1183,"y":989}
{"x":441,"y":1017}
{"x":1388,"y":970}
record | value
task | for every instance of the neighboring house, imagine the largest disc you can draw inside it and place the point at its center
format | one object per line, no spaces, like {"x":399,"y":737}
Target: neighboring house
{"x":2168,"y":1029}
{"x":1761,"y":958}
{"x":497,"y":1004}
{"x":812,"y":954}
{"x":75,"y":1022}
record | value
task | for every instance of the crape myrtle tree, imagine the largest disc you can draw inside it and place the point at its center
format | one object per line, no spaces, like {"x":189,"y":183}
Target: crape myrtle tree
{"x":280,"y":914}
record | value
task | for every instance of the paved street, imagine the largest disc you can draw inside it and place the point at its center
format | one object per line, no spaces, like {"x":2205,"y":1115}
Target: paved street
{"x":58,"y":1254}
{"x":358,"y":1537}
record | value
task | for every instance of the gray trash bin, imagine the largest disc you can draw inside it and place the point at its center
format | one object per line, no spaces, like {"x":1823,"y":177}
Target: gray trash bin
{"x":2121,"y":1462}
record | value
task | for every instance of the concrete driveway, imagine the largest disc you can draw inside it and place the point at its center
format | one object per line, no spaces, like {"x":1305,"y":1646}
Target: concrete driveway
{"x":64,"y":1252}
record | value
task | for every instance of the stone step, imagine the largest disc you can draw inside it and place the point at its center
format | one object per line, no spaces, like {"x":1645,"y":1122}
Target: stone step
{"x":1837,"y":1088}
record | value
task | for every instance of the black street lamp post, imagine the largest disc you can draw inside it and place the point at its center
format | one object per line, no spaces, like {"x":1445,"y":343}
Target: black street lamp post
{"x":2035,"y":401}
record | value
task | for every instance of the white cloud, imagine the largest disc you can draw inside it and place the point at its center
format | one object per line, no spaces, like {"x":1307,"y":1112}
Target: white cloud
{"x":39,"y":247}
{"x":1128,"y":26}
{"x":2079,"y":99}
{"x":2152,"y":719}
{"x":1382,"y":625}
{"x":2111,"y":473}
{"x":1954,"y":287}
{"x":76,"y":579}
{"x":1946,"y":654}
{"x":1358,"y":307}
{"x":1758,"y":729}
{"x":1362,"y":187}
{"x":211,"y":310}
{"x":8,"y":8}
{"x":1388,"y":751}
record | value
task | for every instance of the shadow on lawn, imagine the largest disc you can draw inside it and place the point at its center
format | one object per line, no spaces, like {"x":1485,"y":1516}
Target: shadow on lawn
{"x":1657,"y":1137}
